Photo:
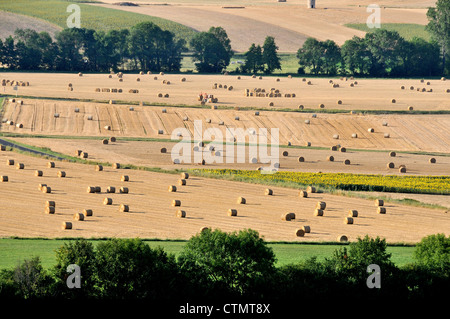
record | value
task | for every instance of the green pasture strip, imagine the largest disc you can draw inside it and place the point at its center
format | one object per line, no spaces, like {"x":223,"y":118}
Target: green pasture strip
{"x":332,"y":181}
{"x":92,"y":17}
{"x":15,"y":250}
{"x":406,"y":30}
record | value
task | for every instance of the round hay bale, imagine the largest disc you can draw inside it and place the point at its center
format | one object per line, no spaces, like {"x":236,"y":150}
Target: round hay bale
{"x":4,"y":178}
{"x":124,"y":178}
{"x":123,"y":190}
{"x":339,"y":102}
{"x":318,"y":212}
{"x":163,"y":150}
{"x":348,"y":220}
{"x":311,"y":189}
{"x":379,"y":202}
{"x":321,"y":106}
{"x":393,"y":101}
{"x":342,"y":149}
{"x":98,"y":189}
{"x":384,"y":124}
{"x":160,"y":132}
{"x":370,"y":130}
{"x":66,"y":225}
{"x":256,"y":113}
{"x":432,"y":160}
{"x":124,"y":208}
{"x":285,"y":153}
{"x":91,"y":189}
{"x":347,"y":162}
{"x":108,"y":128}
{"x":342,"y":238}
{"x":392,"y":154}
{"x":307,"y":121}
{"x":116,"y":166}
{"x":51,"y":164}
{"x":172,"y":188}
{"x":9,"y":162}
{"x":98,"y":168}
{"x":321,"y":205}
{"x":270,"y":103}
{"x":334,"y":148}
{"x":111,"y":189}
{"x":402,"y":87}
{"x":19,"y":125}
{"x":410,"y":108}
{"x":306,"y":229}
{"x":268,"y":191}
{"x":176,"y":202}
{"x":181,"y":182}
{"x":107,"y":201}
{"x":352,"y":213}
{"x":402,"y":169}
{"x":302,"y":193}
{"x":2,"y":148}
{"x":46,"y":189}
{"x":184,"y":175}
{"x":308,"y":144}
{"x":20,"y":166}
{"x":232,"y":212}
{"x":241,"y":200}
{"x":387,"y":135}
{"x":301,"y":159}
{"x":49,"y":210}
{"x":105,"y":141}
{"x":354,"y":135}
{"x":41,"y":186}
{"x":61,"y":174}
{"x":381,"y":210}
{"x":181,"y":213}
{"x":90,"y":117}
{"x":301,"y":107}
{"x":38,"y":173}
{"x":87,"y":212}
{"x":300,"y":232}
{"x":78,"y":216}
{"x":390,"y":165}
{"x":336,"y":137}
{"x":286,"y":216}
{"x":330,"y":158}
{"x":50,"y":203}
{"x":85,"y":155}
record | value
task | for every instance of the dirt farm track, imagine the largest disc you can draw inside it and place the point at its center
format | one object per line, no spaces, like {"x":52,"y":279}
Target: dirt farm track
{"x":48,"y":114}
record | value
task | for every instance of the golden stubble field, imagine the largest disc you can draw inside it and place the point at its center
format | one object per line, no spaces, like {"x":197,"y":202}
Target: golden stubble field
{"x":356,"y":94}
{"x":205,"y":202}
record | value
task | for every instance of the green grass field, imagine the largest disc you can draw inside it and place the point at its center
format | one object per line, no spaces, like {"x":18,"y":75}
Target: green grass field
{"x":92,"y":17}
{"x":407,"y":31}
{"x":14,"y":251}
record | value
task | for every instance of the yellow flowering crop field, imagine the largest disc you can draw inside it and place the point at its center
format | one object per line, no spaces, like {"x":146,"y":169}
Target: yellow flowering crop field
{"x":342,"y":181}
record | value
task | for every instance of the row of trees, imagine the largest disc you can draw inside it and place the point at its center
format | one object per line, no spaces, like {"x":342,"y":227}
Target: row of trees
{"x":144,"y":46}
{"x":215,"y":265}
{"x":380,"y":53}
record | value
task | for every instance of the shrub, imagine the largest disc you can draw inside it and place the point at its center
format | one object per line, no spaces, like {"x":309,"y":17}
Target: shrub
{"x":433,"y":252}
{"x":232,"y":263}
{"x":130,"y":269}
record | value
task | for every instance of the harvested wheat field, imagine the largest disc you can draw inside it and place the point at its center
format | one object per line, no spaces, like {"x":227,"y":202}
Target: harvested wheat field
{"x":289,"y":22}
{"x":152,"y":214}
{"x":149,"y":154}
{"x":391,"y":132}
{"x":287,"y":93}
